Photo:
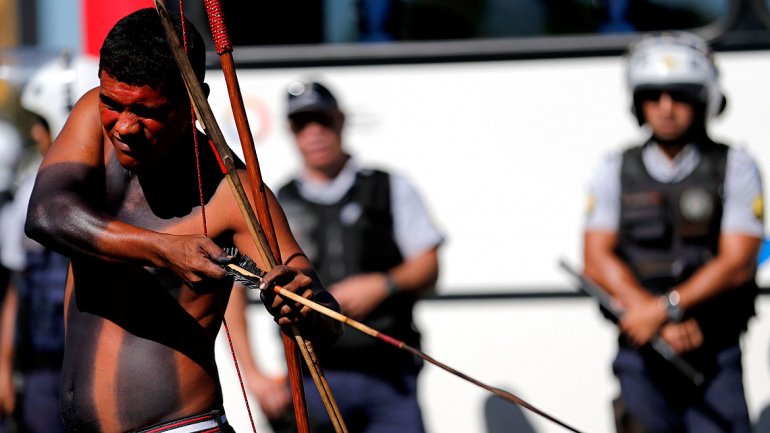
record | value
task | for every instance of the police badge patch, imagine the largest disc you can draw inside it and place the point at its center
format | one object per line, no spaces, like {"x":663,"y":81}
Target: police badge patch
{"x":696,"y":205}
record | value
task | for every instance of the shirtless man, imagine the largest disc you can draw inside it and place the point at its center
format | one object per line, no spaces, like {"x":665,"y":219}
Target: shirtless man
{"x":118,"y":192}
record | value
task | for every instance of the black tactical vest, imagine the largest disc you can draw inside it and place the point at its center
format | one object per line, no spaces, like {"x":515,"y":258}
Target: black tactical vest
{"x":353,"y":236}
{"x":669,"y":230}
{"x":41,"y":310}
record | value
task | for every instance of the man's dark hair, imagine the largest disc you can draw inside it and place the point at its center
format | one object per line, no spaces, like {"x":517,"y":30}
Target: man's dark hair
{"x":136,"y":52}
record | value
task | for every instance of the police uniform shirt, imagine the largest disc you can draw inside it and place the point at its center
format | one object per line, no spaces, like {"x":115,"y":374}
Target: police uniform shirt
{"x":742,"y":213}
{"x":413,"y":228}
{"x":14,"y":244}
{"x":11,"y":152}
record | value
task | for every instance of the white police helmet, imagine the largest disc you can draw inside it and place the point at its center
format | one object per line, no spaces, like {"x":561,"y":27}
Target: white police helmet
{"x":56,"y":86}
{"x":674,"y":61}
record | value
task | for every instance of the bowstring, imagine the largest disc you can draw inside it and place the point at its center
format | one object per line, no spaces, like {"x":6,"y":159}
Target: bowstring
{"x":205,"y":228}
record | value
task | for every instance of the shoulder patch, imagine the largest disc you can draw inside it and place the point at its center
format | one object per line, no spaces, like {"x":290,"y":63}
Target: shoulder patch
{"x":590,"y":203}
{"x":759,"y":208}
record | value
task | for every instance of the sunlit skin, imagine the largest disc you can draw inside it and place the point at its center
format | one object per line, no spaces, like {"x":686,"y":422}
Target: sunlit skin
{"x":138,"y":120}
{"x":118,"y":192}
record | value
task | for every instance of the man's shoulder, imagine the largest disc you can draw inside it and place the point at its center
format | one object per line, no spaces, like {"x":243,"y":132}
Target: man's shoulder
{"x":612,"y":158}
{"x":741,"y":166}
{"x":633,"y":148}
{"x":740,"y":154}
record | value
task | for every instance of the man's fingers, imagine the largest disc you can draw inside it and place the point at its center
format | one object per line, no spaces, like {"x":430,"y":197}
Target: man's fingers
{"x":284,"y":310}
{"x":277,"y":302}
{"x":683,"y":337}
{"x":215,"y":259}
{"x":676,"y":340}
{"x":274,"y":276}
{"x":693,"y":334}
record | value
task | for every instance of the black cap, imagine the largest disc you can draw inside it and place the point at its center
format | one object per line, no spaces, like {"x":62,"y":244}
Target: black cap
{"x":309,"y":97}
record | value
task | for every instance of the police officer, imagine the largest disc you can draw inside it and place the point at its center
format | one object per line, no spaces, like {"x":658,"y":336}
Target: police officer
{"x":38,"y":284}
{"x":372,"y":242}
{"x":39,"y":274}
{"x":673,"y":232}
{"x":11,"y":149}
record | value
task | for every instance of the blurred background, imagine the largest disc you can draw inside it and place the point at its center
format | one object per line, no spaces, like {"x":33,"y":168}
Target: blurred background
{"x":499,"y":111}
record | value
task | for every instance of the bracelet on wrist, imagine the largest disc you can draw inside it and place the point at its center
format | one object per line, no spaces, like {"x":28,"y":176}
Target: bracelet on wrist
{"x":671,"y":302}
{"x":391,"y":285}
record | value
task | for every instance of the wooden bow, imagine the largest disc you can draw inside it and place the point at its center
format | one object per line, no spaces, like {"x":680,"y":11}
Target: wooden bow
{"x":260,"y":225}
{"x":223,"y":46}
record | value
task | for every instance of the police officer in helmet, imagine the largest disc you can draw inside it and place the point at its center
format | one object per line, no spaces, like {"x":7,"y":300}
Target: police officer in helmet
{"x":673,"y":232}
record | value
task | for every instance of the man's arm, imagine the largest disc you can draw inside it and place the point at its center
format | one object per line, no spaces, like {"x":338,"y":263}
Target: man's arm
{"x":740,"y":239}
{"x":608,"y":270}
{"x":66,"y":210}
{"x":602,"y":265}
{"x":296,"y":274}
{"x":645,"y":313}
{"x":734,"y":265}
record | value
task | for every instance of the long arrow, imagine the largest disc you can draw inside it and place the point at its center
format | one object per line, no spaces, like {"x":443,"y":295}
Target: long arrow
{"x":245,"y":271}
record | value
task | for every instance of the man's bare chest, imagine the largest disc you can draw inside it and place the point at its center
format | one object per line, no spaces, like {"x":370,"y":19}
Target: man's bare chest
{"x":152,"y":205}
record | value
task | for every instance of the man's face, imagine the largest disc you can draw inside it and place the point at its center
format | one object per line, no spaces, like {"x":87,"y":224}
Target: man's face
{"x":318,"y":136}
{"x":669,"y":114}
{"x":142,"y":123}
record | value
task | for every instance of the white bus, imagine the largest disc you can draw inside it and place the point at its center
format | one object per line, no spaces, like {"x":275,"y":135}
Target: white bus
{"x":499,"y":111}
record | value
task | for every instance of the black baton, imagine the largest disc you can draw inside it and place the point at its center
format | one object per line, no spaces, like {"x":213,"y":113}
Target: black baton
{"x":658,"y":344}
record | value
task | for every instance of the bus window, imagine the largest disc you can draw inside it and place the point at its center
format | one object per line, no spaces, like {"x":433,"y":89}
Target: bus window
{"x":763,"y":9}
{"x":291,"y":22}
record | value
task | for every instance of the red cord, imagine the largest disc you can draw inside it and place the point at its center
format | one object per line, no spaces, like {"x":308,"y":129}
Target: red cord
{"x":205,"y":228}
{"x":219,"y":31}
